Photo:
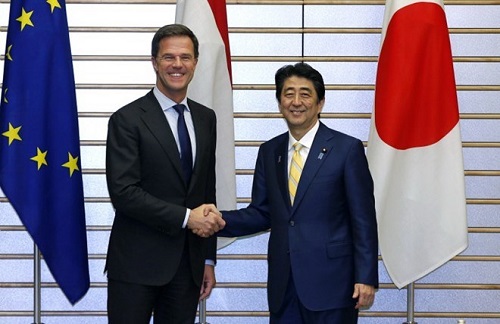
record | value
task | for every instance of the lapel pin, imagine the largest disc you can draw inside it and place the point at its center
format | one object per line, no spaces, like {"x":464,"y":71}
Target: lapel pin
{"x":323,"y":152}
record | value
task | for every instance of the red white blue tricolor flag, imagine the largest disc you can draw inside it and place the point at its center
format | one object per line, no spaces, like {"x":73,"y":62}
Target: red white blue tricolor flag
{"x":414,"y":147}
{"x":212,"y":86}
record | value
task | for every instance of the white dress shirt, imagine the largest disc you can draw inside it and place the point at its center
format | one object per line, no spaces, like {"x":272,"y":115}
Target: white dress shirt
{"x":172,"y":116}
{"x":306,"y":142}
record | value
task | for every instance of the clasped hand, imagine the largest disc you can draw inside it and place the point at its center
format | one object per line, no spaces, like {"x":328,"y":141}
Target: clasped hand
{"x":205,"y":220}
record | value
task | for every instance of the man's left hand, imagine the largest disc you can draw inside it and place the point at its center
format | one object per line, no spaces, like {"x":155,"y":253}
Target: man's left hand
{"x":208,"y":281}
{"x":365,"y":295}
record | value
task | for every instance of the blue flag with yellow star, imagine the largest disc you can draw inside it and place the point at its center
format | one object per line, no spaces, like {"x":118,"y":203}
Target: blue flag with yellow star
{"x":40,"y":171}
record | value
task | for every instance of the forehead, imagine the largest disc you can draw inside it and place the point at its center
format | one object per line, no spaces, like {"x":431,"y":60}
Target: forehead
{"x":181,"y":44}
{"x":295,"y":83}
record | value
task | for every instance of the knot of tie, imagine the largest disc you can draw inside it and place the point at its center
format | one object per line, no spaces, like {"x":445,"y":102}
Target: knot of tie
{"x":297,"y":146}
{"x":179,"y":108}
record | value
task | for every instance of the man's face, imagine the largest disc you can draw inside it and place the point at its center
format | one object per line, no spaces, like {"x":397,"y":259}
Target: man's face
{"x":299,"y":105}
{"x":174,"y":65}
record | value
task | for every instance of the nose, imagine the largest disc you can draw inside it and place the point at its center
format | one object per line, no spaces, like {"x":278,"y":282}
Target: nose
{"x":296,"y":100}
{"x":177,"y":61}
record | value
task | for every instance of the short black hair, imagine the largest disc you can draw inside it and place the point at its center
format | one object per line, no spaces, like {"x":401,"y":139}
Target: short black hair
{"x":170,"y":31}
{"x":302,"y":70}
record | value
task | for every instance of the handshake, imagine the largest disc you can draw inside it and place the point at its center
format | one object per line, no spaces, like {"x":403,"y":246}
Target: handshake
{"x":205,"y":220}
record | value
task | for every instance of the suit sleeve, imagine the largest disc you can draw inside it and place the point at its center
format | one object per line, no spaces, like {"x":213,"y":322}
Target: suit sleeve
{"x":254,"y":218}
{"x":211,"y":252}
{"x":359,"y":189}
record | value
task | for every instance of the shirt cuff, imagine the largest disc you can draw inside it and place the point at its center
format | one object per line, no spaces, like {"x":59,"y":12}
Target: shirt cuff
{"x":210,"y":262}
{"x":186,"y":218}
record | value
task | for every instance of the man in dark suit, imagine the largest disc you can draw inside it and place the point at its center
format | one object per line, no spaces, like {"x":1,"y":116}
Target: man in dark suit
{"x":159,"y":167}
{"x":323,"y":251}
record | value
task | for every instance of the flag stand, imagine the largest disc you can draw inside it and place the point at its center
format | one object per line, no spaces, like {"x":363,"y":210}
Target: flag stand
{"x":203,"y":312}
{"x":410,"y":303}
{"x":37,"y":315}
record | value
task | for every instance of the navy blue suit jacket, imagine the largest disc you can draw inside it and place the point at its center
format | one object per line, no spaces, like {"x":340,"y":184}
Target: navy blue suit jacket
{"x":328,"y":239}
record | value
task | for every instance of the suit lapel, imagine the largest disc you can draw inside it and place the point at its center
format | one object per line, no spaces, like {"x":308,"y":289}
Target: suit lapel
{"x":200,"y":126}
{"x":155,"y":120}
{"x":281,"y":162}
{"x":322,"y":145}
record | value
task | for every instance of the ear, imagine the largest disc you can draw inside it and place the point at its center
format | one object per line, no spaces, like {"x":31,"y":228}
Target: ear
{"x":321,"y":104}
{"x":155,"y":64}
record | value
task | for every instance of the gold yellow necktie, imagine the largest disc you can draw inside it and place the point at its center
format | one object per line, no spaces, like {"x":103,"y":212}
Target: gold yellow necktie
{"x":295,"y":171}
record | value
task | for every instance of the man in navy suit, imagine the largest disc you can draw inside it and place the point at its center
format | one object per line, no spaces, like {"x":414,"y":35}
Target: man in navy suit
{"x":155,"y":263}
{"x":323,"y":251}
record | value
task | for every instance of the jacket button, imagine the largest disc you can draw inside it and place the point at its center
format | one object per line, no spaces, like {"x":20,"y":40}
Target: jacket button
{"x":292,"y":223}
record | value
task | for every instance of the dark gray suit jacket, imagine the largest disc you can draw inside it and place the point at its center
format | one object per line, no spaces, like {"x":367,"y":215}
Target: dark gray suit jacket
{"x":147,"y":189}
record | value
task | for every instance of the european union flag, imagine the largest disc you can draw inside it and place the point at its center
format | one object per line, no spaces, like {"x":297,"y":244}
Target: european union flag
{"x":40,"y":169}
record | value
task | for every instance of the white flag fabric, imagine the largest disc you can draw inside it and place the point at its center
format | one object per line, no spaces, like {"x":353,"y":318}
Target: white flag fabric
{"x":211,"y":86}
{"x":414,"y":148}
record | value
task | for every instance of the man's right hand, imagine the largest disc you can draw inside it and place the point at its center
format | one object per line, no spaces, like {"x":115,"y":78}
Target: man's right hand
{"x":205,"y":220}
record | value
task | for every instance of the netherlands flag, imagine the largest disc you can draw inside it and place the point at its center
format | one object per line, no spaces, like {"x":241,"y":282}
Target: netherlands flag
{"x":212,"y":87}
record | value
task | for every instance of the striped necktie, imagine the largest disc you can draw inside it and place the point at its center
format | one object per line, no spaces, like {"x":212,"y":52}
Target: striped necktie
{"x":295,"y":171}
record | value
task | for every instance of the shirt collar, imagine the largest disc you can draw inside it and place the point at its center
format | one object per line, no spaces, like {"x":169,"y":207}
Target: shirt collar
{"x":165,"y":102}
{"x":306,"y":140}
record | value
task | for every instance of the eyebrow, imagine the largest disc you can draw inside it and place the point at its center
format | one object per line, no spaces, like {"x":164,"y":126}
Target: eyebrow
{"x":174,"y":55}
{"x":300,"y":89}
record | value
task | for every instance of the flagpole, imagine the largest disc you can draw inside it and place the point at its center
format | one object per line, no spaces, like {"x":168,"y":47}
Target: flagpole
{"x":37,"y":315}
{"x":203,"y":312}
{"x":410,"y":304}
